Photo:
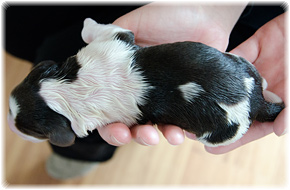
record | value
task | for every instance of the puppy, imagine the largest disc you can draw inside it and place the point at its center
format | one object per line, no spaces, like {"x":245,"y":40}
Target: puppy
{"x":212,"y":94}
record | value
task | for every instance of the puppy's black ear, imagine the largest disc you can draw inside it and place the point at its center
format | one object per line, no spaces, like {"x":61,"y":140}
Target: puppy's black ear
{"x":45,"y":69}
{"x":63,"y":137}
{"x":60,"y":133}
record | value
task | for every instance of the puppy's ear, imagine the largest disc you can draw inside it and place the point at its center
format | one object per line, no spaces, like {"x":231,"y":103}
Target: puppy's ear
{"x":63,"y":137}
{"x":88,"y":30}
{"x":60,"y":133}
{"x":44,"y":69}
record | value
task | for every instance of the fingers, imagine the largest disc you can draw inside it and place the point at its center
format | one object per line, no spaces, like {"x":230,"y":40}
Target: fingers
{"x":271,"y":97}
{"x":145,"y":135}
{"x":148,"y":135}
{"x":173,"y":134}
{"x":116,"y":134}
{"x":280,"y":127}
{"x":248,"y":49}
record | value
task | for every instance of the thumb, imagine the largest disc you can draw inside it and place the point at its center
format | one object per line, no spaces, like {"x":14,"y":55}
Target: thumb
{"x":280,"y":127}
{"x":129,"y":21}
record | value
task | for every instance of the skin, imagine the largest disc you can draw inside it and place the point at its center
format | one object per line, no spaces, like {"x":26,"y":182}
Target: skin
{"x":210,"y":25}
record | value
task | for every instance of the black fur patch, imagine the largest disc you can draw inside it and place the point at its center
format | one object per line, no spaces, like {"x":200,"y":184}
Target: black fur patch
{"x":223,"y":133}
{"x":127,"y":37}
{"x":168,"y":66}
{"x":36,"y":118}
{"x":68,"y":70}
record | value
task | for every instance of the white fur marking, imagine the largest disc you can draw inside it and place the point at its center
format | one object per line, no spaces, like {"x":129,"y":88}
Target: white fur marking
{"x":11,"y":121}
{"x":249,"y":84}
{"x":238,"y":113}
{"x":107,"y":89}
{"x":190,"y":90}
{"x":203,"y":140}
{"x":14,"y":107}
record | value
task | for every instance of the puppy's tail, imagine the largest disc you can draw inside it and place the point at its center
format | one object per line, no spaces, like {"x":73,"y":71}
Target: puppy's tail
{"x":270,"y":110}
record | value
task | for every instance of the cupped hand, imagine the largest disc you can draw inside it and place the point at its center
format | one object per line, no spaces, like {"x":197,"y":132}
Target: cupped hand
{"x":266,"y":50}
{"x":158,"y":23}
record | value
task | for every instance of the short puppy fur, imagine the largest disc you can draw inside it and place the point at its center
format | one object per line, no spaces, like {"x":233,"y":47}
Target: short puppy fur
{"x":215,"y":95}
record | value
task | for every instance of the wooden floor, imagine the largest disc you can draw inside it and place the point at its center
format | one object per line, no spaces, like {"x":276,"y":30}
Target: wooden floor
{"x":261,"y":163}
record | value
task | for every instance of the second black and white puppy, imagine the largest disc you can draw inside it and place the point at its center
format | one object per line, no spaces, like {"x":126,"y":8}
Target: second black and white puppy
{"x":215,"y":95}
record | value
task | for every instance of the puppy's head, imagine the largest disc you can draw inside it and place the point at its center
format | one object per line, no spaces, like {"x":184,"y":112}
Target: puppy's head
{"x":30,"y":117}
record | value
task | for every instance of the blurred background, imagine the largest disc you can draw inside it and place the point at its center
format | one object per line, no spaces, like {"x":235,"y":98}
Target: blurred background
{"x":260,"y":163}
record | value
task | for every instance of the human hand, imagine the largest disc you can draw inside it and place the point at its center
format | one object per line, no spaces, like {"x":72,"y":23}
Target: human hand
{"x":266,"y":50}
{"x":159,"y":23}
{"x":156,"y":24}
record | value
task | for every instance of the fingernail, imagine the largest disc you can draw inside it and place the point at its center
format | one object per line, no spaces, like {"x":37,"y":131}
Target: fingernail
{"x":141,"y":140}
{"x":270,"y":96}
{"x":285,"y":131}
{"x":264,"y":84}
{"x":115,"y":141}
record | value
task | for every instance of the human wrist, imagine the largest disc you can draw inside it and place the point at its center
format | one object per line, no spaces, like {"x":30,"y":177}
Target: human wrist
{"x":224,"y":15}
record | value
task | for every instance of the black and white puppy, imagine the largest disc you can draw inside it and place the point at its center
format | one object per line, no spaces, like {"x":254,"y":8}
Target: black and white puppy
{"x":196,"y":87}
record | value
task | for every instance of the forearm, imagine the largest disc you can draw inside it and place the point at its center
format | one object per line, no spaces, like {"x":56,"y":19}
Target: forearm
{"x":227,"y":15}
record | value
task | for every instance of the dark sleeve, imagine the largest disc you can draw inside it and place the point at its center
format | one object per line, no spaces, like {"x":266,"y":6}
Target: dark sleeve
{"x":253,"y":17}
{"x":27,"y":27}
